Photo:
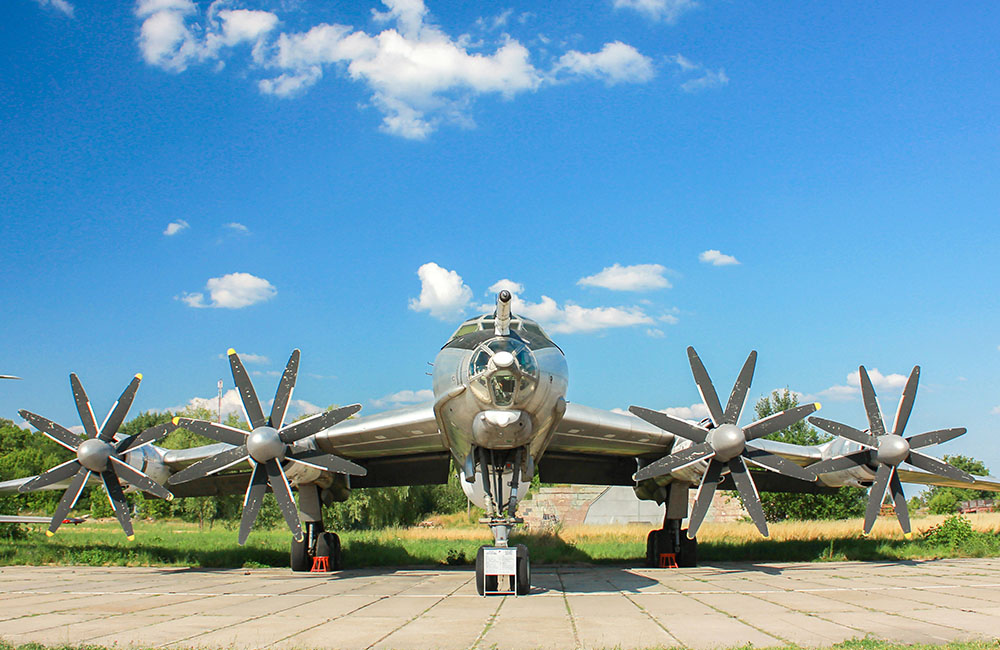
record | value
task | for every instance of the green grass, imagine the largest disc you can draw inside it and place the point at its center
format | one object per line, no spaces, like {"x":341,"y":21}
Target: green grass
{"x":101,"y":543}
{"x":859,"y":644}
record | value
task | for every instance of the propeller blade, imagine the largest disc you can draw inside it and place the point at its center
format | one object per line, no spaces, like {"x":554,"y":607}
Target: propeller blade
{"x":83,"y":406}
{"x":934,"y":437}
{"x":220,"y":432}
{"x":710,"y":481}
{"x":283,"y":495}
{"x":117,"y":498}
{"x":877,"y":495}
{"x":284,"y":393}
{"x":844,"y":431}
{"x":119,"y":410}
{"x":68,"y":500}
{"x":705,"y":387}
{"x":211,"y":465}
{"x":252,"y":501}
{"x":50,"y":429}
{"x":899,"y":501}
{"x":778,"y":421}
{"x":906,"y":403}
{"x":939,"y":467}
{"x":780,"y":465}
{"x":134,"y":477}
{"x":670,"y":424}
{"x":316,"y":423}
{"x":54,"y":475}
{"x":740,"y":389}
{"x":251,"y":405}
{"x":674,"y":461}
{"x":857,"y":459}
{"x":875,"y":424}
{"x":148,"y":436}
{"x":748,"y":490}
{"x":328,"y":462}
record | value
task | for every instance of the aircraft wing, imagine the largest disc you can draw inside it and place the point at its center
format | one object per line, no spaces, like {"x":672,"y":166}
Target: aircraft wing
{"x":988,"y":483}
{"x":588,"y":430}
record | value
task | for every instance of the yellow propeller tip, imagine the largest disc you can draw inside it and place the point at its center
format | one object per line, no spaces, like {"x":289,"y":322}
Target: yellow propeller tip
{"x":176,"y":421}
{"x":817,"y":405}
{"x":138,"y":376}
{"x":231,"y":351}
{"x":907,"y":535}
{"x":170,"y":498}
{"x":864,"y":534}
{"x":49,"y":533}
{"x":130,"y":538}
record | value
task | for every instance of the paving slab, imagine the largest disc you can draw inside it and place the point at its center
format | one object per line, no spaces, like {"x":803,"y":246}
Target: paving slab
{"x":716,"y":606}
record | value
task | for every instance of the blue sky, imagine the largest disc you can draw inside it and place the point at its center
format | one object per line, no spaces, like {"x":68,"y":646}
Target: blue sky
{"x":352,"y":178}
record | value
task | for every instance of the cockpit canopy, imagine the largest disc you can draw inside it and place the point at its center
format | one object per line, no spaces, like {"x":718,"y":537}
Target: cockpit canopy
{"x":486,"y":322}
{"x":503,"y":371}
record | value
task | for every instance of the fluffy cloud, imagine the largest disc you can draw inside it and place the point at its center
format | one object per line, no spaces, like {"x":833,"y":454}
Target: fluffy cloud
{"x":571,"y":318}
{"x":247,"y":357}
{"x":59,"y":5}
{"x":716,"y":258}
{"x":638,"y":277}
{"x":694,"y":413}
{"x":403,"y":397}
{"x":237,"y":228}
{"x":666,"y":10}
{"x":175,"y":227}
{"x":509,"y":285}
{"x":614,"y":63}
{"x":419,"y":77}
{"x":231,"y":403}
{"x":232,"y":291}
{"x":169,"y":40}
{"x":710,"y":79}
{"x":891,"y":383}
{"x":442,"y":292}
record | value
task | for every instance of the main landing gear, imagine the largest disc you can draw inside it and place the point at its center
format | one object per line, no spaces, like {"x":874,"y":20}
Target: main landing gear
{"x":316,"y":542}
{"x":500,"y":469}
{"x":672,"y":539}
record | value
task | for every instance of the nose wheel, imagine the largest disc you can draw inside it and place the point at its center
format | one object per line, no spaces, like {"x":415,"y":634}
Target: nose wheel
{"x":499,"y":565}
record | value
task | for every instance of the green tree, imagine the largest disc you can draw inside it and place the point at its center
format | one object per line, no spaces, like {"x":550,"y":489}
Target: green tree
{"x":945,"y":500}
{"x":25,"y":453}
{"x":778,"y":506}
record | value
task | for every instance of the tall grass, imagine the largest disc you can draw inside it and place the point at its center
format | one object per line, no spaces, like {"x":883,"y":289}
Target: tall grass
{"x":172,"y":543}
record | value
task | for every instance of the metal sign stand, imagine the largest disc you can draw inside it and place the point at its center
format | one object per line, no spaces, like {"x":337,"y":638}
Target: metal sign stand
{"x":500,"y":562}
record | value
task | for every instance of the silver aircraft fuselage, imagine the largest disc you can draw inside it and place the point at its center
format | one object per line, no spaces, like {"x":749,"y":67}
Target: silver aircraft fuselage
{"x":499,"y":387}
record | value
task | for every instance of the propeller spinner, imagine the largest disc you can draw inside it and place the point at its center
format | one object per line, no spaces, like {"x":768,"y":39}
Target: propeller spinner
{"x":267,"y":446}
{"x":97,"y":454}
{"x":724,"y":445}
{"x":887,"y":450}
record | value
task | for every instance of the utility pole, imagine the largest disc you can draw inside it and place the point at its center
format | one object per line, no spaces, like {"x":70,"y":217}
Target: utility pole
{"x":220,"y":401}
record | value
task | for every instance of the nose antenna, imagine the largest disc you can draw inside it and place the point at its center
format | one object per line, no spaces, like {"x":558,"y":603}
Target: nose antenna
{"x":501,"y":324}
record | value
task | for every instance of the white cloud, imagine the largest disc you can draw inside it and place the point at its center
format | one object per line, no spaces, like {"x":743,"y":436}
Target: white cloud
{"x":418,"y":76}
{"x":404,"y":397}
{"x":655,"y":333}
{"x":247,"y":357}
{"x":232,"y":291}
{"x":238,"y":228}
{"x":442,"y":292}
{"x":666,"y":10}
{"x":60,"y":5}
{"x":711,"y":79}
{"x":891,"y":383}
{"x":175,"y":227}
{"x":230,"y":404}
{"x":572,"y":318}
{"x":694,"y":413}
{"x":498,"y":286}
{"x":669,"y":319}
{"x":638,"y":277}
{"x":716,"y":258}
{"x":614,"y":63}
{"x":684,"y":63}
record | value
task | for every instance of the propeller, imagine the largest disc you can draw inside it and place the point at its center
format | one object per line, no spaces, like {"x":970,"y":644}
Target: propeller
{"x":886,"y":450}
{"x":267,"y":446}
{"x":97,"y":453}
{"x":724,"y":443}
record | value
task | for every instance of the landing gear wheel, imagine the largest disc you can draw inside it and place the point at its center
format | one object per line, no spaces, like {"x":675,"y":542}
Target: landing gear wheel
{"x":300,"y":559}
{"x":689,"y":551}
{"x":657,"y":542}
{"x":328,"y":545}
{"x":523,"y":570}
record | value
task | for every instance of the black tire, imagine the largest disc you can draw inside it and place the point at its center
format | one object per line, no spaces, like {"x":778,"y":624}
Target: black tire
{"x":523,"y":570}
{"x":328,"y":545}
{"x":480,"y":568}
{"x":689,"y":551}
{"x":652,"y":558}
{"x":300,"y":559}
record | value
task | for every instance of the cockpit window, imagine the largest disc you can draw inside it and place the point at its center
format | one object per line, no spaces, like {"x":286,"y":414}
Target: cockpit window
{"x":467,"y":328}
{"x":526,"y":360}
{"x":479,"y":362}
{"x":502,"y":385}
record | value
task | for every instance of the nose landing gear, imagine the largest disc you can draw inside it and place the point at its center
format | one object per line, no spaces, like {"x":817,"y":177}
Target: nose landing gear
{"x":494,"y":571}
